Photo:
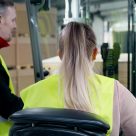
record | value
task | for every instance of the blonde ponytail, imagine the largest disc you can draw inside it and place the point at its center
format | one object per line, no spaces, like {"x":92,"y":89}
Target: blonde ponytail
{"x":76,"y":65}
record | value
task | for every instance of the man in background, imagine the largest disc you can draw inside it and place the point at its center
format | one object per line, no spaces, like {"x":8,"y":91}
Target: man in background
{"x":9,"y":102}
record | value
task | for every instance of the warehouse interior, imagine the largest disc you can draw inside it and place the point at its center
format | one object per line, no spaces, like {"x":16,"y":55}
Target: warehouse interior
{"x":109,"y":20}
{"x":68,"y":67}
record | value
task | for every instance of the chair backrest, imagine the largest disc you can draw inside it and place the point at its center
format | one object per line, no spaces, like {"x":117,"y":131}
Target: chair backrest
{"x":56,"y":122}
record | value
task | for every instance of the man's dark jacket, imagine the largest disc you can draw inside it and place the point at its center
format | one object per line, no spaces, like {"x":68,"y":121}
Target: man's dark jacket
{"x":9,"y":103}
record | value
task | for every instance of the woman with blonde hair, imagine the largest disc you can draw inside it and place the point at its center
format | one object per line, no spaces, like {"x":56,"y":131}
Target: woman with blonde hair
{"x":77,"y":87}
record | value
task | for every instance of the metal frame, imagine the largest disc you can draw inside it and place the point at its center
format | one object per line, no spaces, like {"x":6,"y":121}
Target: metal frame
{"x":128,"y":45}
{"x":131,"y":44}
{"x":32,"y":8}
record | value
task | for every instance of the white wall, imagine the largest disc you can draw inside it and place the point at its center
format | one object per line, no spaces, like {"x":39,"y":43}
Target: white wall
{"x":98,"y":27}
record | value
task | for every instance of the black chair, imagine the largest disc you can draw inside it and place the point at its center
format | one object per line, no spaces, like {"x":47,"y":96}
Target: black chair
{"x":56,"y":122}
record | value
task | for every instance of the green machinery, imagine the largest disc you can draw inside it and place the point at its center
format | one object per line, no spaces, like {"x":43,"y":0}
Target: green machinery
{"x":110,"y":60}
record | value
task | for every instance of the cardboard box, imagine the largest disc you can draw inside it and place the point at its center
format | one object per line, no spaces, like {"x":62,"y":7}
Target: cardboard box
{"x":24,"y":52}
{"x":22,"y":20}
{"x":25,"y":78}
{"x":47,"y":22}
{"x":48,"y":47}
{"x":123,"y":73}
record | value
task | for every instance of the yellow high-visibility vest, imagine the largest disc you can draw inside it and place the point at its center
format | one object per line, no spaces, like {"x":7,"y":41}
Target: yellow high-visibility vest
{"x":4,"y":124}
{"x":46,"y":93}
{"x":6,"y":69}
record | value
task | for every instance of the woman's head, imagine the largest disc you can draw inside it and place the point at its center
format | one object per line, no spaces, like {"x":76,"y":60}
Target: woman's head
{"x":77,"y":36}
{"x":77,"y":49}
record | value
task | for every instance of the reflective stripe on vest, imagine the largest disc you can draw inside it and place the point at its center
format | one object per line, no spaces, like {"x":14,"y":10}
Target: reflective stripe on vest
{"x":46,"y":93}
{"x":4,"y":124}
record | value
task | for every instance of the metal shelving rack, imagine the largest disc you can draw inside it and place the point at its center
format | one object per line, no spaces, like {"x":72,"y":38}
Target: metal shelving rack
{"x":131,"y":47}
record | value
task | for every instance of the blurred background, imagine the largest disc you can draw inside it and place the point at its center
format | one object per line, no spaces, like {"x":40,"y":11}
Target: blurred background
{"x":113,"y":22}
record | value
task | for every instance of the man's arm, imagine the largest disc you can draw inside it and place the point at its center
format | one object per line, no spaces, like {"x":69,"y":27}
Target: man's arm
{"x":9,"y":103}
